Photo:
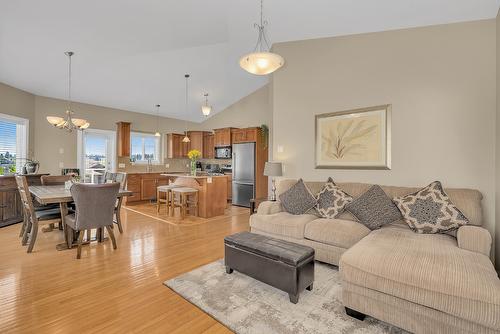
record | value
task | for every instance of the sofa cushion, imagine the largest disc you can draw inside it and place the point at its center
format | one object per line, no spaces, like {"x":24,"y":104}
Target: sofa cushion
{"x":282,"y":223}
{"x":335,"y":232}
{"x":430,"y":210}
{"x":331,"y":200}
{"x":427,"y":269}
{"x":298,"y":199}
{"x":374,"y":208}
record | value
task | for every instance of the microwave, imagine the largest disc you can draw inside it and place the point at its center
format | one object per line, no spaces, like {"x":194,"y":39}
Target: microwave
{"x":223,"y":152}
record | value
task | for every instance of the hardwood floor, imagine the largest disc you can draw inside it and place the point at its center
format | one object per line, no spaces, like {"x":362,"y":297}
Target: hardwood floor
{"x":112,"y":291}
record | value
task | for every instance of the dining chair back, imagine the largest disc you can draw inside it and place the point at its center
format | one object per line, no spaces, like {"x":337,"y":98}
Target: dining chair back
{"x":109,"y":177}
{"x":95,"y":204}
{"x":121,"y":178}
{"x":54,"y":180}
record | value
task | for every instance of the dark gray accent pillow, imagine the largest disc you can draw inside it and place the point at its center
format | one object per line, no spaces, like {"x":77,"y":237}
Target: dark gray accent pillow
{"x":298,"y":199}
{"x":374,"y":208}
{"x":331,"y":200}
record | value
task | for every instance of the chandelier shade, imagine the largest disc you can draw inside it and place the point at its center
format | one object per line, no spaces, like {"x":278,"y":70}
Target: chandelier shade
{"x":261,"y":63}
{"x":206,"y":109}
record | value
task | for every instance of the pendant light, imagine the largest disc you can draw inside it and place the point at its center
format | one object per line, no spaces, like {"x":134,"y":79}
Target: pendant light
{"x":206,"y":109}
{"x":186,"y":138}
{"x":157,"y":134}
{"x":69,"y":123}
{"x":261,"y":61}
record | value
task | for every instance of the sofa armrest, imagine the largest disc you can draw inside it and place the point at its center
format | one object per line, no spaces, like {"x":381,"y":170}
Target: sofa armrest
{"x":475,"y":239}
{"x":269,"y":207}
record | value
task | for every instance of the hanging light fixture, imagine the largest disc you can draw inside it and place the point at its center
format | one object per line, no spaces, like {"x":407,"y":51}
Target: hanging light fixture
{"x":186,"y":138}
{"x":157,"y":134}
{"x":69,"y":123}
{"x":261,"y":61}
{"x":206,"y":109}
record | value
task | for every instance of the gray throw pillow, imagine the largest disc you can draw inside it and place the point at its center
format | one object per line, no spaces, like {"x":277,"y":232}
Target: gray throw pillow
{"x":374,"y":208}
{"x":430,"y":210}
{"x":331,"y":200}
{"x":298,"y":199}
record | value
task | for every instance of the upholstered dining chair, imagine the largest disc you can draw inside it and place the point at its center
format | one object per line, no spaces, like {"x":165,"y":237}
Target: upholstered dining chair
{"x":32,"y":217}
{"x":95,"y":207}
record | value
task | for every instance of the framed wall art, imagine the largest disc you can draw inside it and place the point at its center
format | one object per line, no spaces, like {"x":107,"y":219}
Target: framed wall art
{"x":354,"y":139}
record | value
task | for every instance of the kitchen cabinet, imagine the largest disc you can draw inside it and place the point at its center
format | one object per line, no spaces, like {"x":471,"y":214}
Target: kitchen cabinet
{"x":174,"y":145}
{"x":196,"y":142}
{"x":123,"y":139}
{"x":247,"y":135}
{"x":223,"y":137}
{"x":143,"y":186}
{"x":11,"y":210}
{"x":208,"y":145}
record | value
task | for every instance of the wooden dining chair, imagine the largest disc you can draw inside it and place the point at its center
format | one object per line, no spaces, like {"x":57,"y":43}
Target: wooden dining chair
{"x":33,"y":218}
{"x":95,"y":207}
{"x":121,"y":178}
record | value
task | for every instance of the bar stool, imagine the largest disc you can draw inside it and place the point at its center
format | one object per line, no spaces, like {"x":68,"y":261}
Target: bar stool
{"x":186,"y":199}
{"x":167,"y":189}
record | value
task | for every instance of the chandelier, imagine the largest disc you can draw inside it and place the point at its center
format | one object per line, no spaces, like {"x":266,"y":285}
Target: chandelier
{"x":68,"y":123}
{"x":206,"y":109}
{"x":157,"y":133}
{"x":261,"y":61}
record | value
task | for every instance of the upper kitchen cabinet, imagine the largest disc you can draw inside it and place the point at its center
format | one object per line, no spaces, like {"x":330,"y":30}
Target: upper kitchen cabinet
{"x":223,"y":137}
{"x":123,"y":137}
{"x":247,"y":135}
{"x":173,"y":143}
{"x":196,"y":142}
{"x":208,"y":145}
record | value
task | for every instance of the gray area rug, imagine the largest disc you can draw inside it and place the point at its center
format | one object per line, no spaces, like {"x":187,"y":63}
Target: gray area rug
{"x":246,"y":305}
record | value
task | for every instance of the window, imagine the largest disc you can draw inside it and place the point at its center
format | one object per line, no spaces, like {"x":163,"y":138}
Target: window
{"x":13,"y":143}
{"x":96,"y":154}
{"x":144,"y":147}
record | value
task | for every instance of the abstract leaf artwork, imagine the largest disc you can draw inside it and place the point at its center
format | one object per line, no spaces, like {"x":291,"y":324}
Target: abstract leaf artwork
{"x":357,"y":138}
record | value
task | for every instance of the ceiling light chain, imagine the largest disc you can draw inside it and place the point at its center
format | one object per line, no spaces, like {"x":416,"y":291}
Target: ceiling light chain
{"x":186,"y":138}
{"x":157,"y":134}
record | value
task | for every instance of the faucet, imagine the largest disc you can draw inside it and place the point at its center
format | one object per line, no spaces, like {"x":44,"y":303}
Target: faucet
{"x":150,"y":166}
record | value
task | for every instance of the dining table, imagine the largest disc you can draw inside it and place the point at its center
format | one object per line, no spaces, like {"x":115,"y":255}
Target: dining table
{"x":62,"y":195}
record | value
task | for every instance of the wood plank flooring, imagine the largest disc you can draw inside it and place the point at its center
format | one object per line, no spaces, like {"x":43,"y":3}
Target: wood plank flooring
{"x":112,"y":291}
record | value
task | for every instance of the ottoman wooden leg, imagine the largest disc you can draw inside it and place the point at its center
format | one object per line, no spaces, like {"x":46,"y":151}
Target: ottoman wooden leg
{"x":229,"y":270}
{"x":310,"y":287}
{"x":355,"y":314}
{"x":294,"y":298}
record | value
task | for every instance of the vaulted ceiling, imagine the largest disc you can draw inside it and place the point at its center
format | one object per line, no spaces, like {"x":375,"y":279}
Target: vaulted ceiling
{"x":133,"y":54}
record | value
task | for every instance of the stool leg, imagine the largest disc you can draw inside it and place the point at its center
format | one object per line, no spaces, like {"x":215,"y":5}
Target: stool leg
{"x":183,"y":205}
{"x":196,"y":202}
{"x":157,"y":201}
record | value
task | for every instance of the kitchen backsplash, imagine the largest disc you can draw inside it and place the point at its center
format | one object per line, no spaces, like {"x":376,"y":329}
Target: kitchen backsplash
{"x":175,"y":165}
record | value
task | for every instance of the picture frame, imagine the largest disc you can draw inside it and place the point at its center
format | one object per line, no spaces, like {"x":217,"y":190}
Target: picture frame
{"x":354,"y":139}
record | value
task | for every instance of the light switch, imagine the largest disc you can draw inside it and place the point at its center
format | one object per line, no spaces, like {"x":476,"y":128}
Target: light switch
{"x":167,"y":165}
{"x":280,"y":149}
{"x":61,"y":150}
{"x":61,"y":164}
{"x":121,"y":165}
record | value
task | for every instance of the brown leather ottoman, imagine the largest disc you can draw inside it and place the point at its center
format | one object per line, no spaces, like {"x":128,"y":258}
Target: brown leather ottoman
{"x":281,"y":264}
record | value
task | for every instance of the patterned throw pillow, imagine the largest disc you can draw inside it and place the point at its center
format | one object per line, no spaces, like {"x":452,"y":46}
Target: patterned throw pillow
{"x":331,"y":200}
{"x":298,"y":199}
{"x":429,"y":210}
{"x":374,"y":208}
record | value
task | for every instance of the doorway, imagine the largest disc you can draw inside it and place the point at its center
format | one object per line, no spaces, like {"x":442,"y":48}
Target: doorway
{"x":96,"y":154}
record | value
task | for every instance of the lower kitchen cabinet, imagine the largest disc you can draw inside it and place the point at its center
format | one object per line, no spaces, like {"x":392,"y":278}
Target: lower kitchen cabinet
{"x":143,"y":186}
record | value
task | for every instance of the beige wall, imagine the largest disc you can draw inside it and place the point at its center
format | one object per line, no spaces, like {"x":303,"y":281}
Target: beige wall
{"x":440,"y":81}
{"x":16,"y":102}
{"x":252,"y":110}
{"x":49,"y":140}
{"x":497,"y":155}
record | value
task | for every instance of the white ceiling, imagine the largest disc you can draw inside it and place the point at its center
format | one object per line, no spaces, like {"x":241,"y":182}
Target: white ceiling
{"x":133,"y":54}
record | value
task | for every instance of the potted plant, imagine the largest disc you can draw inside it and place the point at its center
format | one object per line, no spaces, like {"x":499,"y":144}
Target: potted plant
{"x":31,"y":166}
{"x":194,"y":155}
{"x":2,"y":170}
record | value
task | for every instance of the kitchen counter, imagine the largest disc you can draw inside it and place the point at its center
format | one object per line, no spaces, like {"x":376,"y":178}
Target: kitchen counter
{"x":212,"y":191}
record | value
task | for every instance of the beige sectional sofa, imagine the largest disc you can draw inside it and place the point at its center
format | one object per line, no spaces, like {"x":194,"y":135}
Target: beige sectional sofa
{"x":423,"y":283}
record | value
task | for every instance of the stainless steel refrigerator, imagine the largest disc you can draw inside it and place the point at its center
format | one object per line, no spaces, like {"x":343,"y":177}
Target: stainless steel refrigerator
{"x":243,"y":174}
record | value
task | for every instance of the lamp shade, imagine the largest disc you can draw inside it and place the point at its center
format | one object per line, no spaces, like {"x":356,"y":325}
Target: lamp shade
{"x":206,"y":110}
{"x":273,"y":169}
{"x":261,"y":63}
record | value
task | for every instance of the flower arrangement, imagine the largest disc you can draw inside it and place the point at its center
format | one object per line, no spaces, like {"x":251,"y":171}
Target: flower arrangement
{"x":194,"y":155}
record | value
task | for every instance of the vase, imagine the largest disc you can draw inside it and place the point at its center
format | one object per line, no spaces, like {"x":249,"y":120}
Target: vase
{"x":193,"y":167}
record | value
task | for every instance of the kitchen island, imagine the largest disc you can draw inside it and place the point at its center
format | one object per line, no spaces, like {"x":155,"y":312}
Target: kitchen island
{"x":212,"y":191}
